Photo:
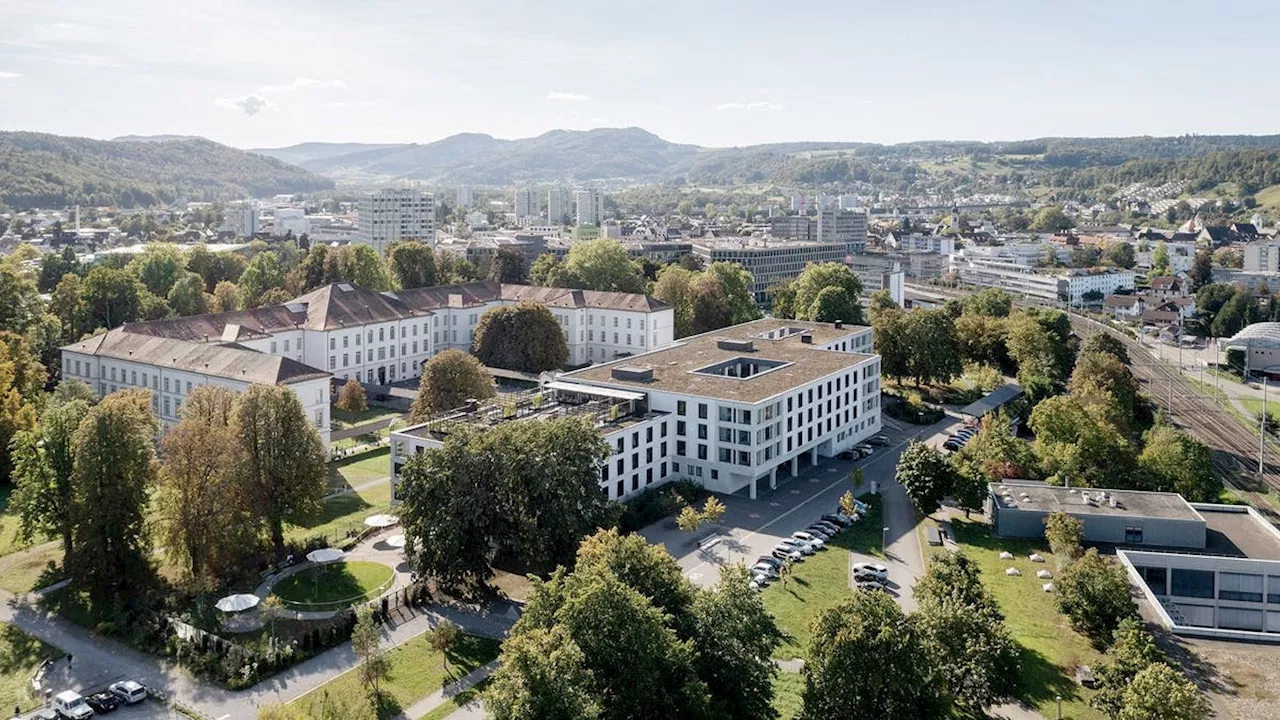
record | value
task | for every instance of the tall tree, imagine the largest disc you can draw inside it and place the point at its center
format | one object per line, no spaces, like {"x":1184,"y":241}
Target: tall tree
{"x":1132,"y":651}
{"x":782,"y":299}
{"x":1202,"y":269}
{"x":1079,"y":443}
{"x":543,"y":674}
{"x":112,"y":297}
{"x":524,"y":337}
{"x":203,"y":510}
{"x":187,"y":296}
{"x":1177,"y":462}
{"x":675,"y":288}
{"x":44,"y":460}
{"x":114,"y":469}
{"x":735,"y":637}
{"x":448,"y":381}
{"x":926,"y":475}
{"x":818,"y":276}
{"x":226,"y":297}
{"x":834,"y":304}
{"x":1120,"y":254}
{"x":709,"y":306}
{"x":866,"y":655}
{"x":934,"y":349}
{"x":737,"y":283}
{"x":21,"y":378}
{"x":313,"y":271}
{"x":1066,"y":537}
{"x":604,"y":265}
{"x":366,"y":643}
{"x":158,"y":267}
{"x":54,"y":266}
{"x":508,"y":266}
{"x":284,"y":462}
{"x":1093,"y":592}
{"x":360,"y":264}
{"x":352,"y":398}
{"x":989,"y":302}
{"x":67,"y":303}
{"x":1104,"y":379}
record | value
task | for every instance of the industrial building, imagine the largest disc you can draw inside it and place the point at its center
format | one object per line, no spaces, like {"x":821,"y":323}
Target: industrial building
{"x":1116,"y":517}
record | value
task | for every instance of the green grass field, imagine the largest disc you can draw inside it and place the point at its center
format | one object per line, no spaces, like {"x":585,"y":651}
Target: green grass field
{"x":1051,"y":650}
{"x":334,"y":585}
{"x":451,"y":705}
{"x":788,"y":691}
{"x":20,"y":656}
{"x":342,"y":515}
{"x":352,"y":472}
{"x":819,"y":582}
{"x":339,"y":420}
{"x":416,"y":671}
{"x":11,"y":527}
{"x":1268,"y":199}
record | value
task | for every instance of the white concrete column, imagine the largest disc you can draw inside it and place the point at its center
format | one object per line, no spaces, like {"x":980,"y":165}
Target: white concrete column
{"x":813,"y":457}
{"x":795,"y":466}
{"x":753,"y":488}
{"x":773,"y":478}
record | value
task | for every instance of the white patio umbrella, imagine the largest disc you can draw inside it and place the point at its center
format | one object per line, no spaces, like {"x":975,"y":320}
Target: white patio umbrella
{"x":324,"y":555}
{"x":396,"y":541}
{"x":381,"y":521}
{"x":237,"y":603}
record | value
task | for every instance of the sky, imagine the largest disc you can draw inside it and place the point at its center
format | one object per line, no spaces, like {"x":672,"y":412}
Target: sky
{"x":710,"y":72}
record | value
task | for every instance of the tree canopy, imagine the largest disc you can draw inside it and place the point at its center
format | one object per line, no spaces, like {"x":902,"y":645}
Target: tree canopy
{"x":525,"y":337}
{"x":448,"y":381}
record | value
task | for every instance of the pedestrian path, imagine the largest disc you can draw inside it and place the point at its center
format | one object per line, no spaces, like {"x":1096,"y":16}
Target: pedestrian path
{"x":452,"y":690}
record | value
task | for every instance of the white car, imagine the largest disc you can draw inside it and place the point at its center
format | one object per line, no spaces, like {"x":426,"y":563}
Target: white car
{"x":70,"y":705}
{"x":764,"y":569}
{"x":803,"y":547}
{"x":873,"y":568}
{"x":129,"y":692}
{"x":787,"y":552}
{"x":817,"y":542}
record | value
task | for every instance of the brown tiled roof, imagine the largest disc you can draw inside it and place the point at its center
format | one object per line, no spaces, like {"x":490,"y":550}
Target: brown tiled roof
{"x":225,"y":360}
{"x":1120,"y":301}
{"x":340,"y":305}
{"x":249,"y":324}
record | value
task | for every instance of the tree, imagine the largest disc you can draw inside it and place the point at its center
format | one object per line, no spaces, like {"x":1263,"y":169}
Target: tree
{"x":926,"y":475}
{"x":989,"y":302}
{"x":448,"y":381}
{"x":1078,"y":442}
{"x":1238,"y":312}
{"x":675,"y":288}
{"x":508,"y":266}
{"x":1066,"y":537}
{"x":1120,"y":254}
{"x":782,"y":299}
{"x":113,"y":471}
{"x":709,"y":306}
{"x":1051,"y":219}
{"x":112,"y":297}
{"x":204,"y":512}
{"x":934,"y":351}
{"x":20,"y":301}
{"x":263,"y":273}
{"x":649,"y":569}
{"x":735,"y":637}
{"x":737,"y":283}
{"x":525,"y":337}
{"x":352,"y":399}
{"x":1093,"y":593}
{"x":1161,"y":693}
{"x":187,"y":297}
{"x":226,"y":297}
{"x":865,"y":656}
{"x":995,"y":453}
{"x":603,"y":265}
{"x":313,"y":271}
{"x":1201,"y":269}
{"x":413,"y":265}
{"x":66,"y":303}
{"x":158,"y":267}
{"x":366,"y":643}
{"x":284,"y":460}
{"x":892,"y":343}
{"x":689,"y":519}
{"x":1085,"y":256}
{"x":442,"y":638}
{"x":818,"y":276}
{"x":20,"y":380}
{"x":543,"y":674}
{"x":44,"y":458}
{"x":546,"y":270}
{"x":1105,"y":343}
{"x":1132,"y":651}
{"x":1159,"y":261}
{"x":969,"y":489}
{"x":1104,"y":379}
{"x":361,"y":265}
{"x":1177,"y":462}
{"x":834,"y":304}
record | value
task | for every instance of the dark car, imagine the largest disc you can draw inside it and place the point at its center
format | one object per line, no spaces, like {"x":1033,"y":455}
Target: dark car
{"x":836,"y":519}
{"x":849,"y":455}
{"x":879,"y":440}
{"x":103,"y":702}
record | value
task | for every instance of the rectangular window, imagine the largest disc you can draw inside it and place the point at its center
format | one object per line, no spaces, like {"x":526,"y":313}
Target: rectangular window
{"x":702,"y":452}
{"x":680,"y":448}
{"x":662,"y":470}
{"x":635,"y":460}
{"x":726,"y":414}
{"x":635,"y":440}
{"x":286,"y":345}
{"x":1133,"y":535}
{"x":680,"y":428}
{"x":726,"y":455}
{"x":1191,"y":583}
{"x":273,"y":347}
{"x":680,"y":407}
{"x":664,"y":430}
{"x":726,"y":435}
{"x":702,"y":431}
{"x":648,"y":434}
{"x":1240,"y":587}
{"x":702,"y":411}
{"x":333,"y":343}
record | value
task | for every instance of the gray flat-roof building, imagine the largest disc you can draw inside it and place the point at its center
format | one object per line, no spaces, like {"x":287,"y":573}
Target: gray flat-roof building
{"x":1116,"y":517}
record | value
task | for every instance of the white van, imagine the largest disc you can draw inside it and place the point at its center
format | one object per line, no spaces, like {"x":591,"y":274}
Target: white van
{"x":71,"y":706}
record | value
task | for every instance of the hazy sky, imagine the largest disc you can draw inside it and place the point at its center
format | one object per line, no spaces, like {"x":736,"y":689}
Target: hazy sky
{"x":711,"y":72}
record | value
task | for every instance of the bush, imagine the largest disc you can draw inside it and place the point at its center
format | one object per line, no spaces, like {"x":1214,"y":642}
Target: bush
{"x":655,"y":503}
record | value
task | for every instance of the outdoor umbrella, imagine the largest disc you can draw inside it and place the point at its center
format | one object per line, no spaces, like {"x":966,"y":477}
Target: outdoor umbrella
{"x":381,"y":521}
{"x":324,"y":555}
{"x":396,"y":541}
{"x":237,"y":603}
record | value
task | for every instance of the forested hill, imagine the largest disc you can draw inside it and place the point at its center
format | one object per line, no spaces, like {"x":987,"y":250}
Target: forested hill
{"x":39,"y":170}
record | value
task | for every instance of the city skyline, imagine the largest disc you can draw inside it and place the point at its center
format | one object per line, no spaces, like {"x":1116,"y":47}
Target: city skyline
{"x":714,"y":74}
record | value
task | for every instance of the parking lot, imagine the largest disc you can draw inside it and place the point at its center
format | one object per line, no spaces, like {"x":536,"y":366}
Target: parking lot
{"x":148,"y":710}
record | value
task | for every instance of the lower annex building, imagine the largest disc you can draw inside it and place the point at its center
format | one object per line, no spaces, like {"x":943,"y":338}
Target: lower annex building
{"x":729,"y":409}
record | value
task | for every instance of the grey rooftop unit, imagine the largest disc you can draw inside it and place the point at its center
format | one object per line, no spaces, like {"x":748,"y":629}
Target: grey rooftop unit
{"x":736,"y":344}
{"x":633,"y":373}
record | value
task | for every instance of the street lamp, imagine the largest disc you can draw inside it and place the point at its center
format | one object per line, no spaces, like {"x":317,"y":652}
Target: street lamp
{"x":1059,"y":699}
{"x":884,"y":540}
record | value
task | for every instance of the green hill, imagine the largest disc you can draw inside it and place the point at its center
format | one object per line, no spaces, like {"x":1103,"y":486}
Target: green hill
{"x":39,"y":170}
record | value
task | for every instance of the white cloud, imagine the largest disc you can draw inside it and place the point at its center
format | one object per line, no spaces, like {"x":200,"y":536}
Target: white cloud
{"x":249,"y":105}
{"x":7,"y":75}
{"x":567,"y":97}
{"x":757,"y":105}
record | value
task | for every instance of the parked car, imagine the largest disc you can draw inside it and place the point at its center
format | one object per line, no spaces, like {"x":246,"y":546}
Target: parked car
{"x":71,"y":706}
{"x":870,"y":567}
{"x":865,"y":449}
{"x":879,"y":440}
{"x":830,"y":528}
{"x":103,"y":702}
{"x":837,"y":520}
{"x":849,"y":455}
{"x":128,"y":691}
{"x":766,"y":569}
{"x":870,"y":585}
{"x":760,"y":581}
{"x":801,"y":546}
{"x":951,"y":446}
{"x":787,"y":552}
{"x":867,"y":576}
{"x":817,"y":542}
{"x":770,"y":560}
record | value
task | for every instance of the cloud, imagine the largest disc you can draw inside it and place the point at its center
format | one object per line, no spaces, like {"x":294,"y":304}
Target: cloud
{"x":757,"y":105}
{"x":567,"y":97}
{"x":249,"y":105}
{"x":7,"y":75}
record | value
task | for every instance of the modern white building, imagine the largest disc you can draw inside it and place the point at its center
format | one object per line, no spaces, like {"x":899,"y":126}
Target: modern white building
{"x":466,"y":197}
{"x":589,"y":209}
{"x":242,"y":219}
{"x":526,"y":206}
{"x":848,"y":227}
{"x":918,"y":243}
{"x":1051,"y":284}
{"x":1262,"y":257}
{"x":393,"y":214}
{"x":559,"y":206}
{"x":291,"y":220}
{"x":728,"y":409}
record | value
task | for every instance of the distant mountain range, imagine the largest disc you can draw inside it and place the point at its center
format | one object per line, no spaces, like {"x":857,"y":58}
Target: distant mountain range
{"x":47,"y":171}
{"x":634,"y":154}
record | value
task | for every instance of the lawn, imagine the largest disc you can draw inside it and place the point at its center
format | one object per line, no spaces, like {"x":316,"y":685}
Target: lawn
{"x":416,"y":671}
{"x":11,"y":527}
{"x":339,"y":420}
{"x":20,"y":656}
{"x":356,"y":471}
{"x":788,"y":690}
{"x":334,"y":585}
{"x":22,"y":573}
{"x":1051,"y":650}
{"x":821,"y":581}
{"x":452,"y":705}
{"x":342,"y":515}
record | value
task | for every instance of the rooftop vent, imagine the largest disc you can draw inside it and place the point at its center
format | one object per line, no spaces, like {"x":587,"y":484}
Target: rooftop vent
{"x":736,"y":345}
{"x":345,"y":287}
{"x":632,"y":373}
{"x":839,"y":324}
{"x":807,"y":338}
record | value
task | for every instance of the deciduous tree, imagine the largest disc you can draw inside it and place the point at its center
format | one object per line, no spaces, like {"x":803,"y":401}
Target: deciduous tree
{"x":1177,"y":462}
{"x":226,"y":297}
{"x":366,"y":643}
{"x":508,"y":266}
{"x":1161,"y":693}
{"x":526,"y":337}
{"x":926,"y":475}
{"x":263,"y":272}
{"x":413,"y":265}
{"x":1066,"y":537}
{"x":675,"y":288}
{"x":448,"y":381}
{"x":187,"y":297}
{"x":735,"y":636}
{"x":818,"y":276}
{"x":112,"y":297}
{"x":1132,"y":651}
{"x":1093,"y":592}
{"x":352,"y":398}
{"x":709,"y":305}
{"x":543,"y":674}
{"x":737,"y":283}
{"x":44,"y":458}
{"x":603,"y":265}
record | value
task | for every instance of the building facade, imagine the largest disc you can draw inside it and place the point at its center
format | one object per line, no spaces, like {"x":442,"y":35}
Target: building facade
{"x":588,"y":207}
{"x":242,"y":219}
{"x":1050,"y":285}
{"x":526,"y":206}
{"x":559,"y":206}
{"x":729,"y":409}
{"x":291,"y":220}
{"x":770,"y":261}
{"x":848,"y":227}
{"x":466,"y":197}
{"x":394,"y":214}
